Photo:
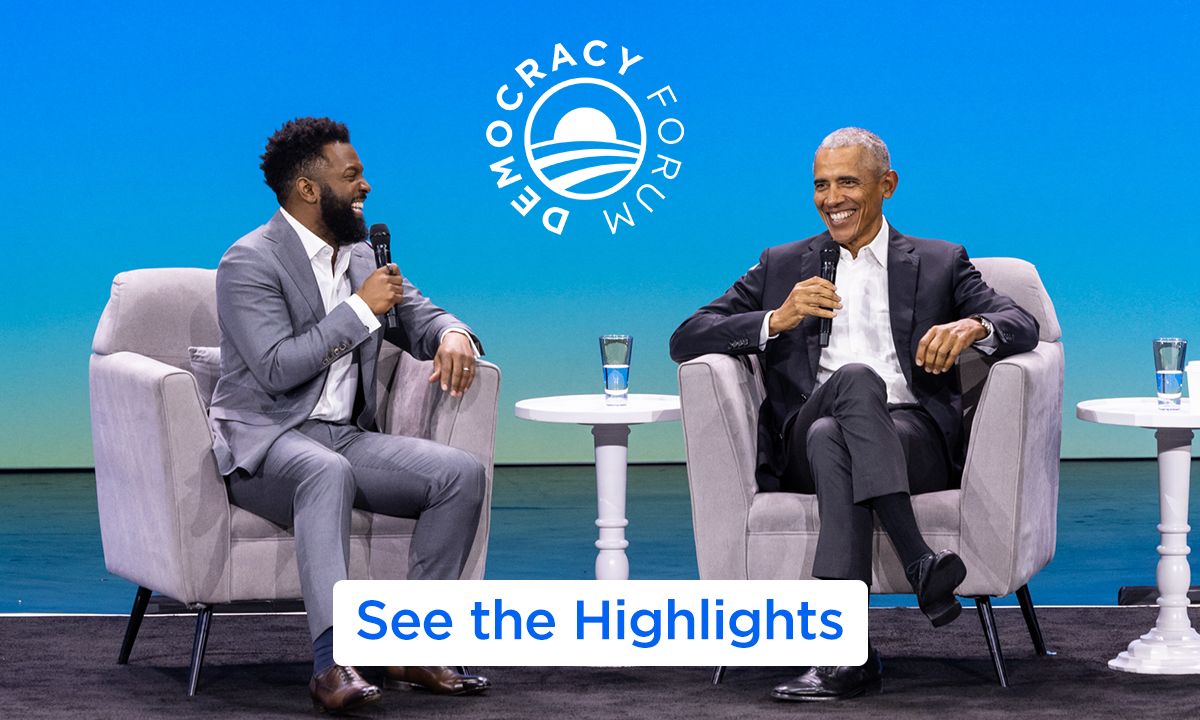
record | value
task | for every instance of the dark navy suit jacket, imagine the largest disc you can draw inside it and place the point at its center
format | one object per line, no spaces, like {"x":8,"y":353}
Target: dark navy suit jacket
{"x":930,"y":282}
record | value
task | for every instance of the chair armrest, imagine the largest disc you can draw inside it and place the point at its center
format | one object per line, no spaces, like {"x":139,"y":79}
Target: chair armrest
{"x":419,"y":408}
{"x":164,"y":513}
{"x":1010,"y":480}
{"x":720,"y":398}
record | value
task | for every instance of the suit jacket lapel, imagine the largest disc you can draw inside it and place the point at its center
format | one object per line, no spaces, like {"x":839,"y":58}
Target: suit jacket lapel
{"x":810,"y":265}
{"x":362,"y":264}
{"x":903,"y":266}
{"x":295,"y":262}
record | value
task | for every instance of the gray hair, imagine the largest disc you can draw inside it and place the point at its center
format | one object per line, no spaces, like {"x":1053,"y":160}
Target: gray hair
{"x":877,"y":152}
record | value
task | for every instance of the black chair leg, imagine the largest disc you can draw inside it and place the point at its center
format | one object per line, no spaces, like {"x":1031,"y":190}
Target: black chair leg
{"x":203,"y":620}
{"x":984,"y":605}
{"x":718,"y":674}
{"x":140,"y":601}
{"x":1031,"y":621}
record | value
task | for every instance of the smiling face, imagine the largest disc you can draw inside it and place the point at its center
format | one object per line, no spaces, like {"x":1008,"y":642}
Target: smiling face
{"x":849,"y":194}
{"x":342,"y":193}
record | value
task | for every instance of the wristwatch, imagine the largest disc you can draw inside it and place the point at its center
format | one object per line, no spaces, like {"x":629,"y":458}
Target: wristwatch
{"x":987,"y":324}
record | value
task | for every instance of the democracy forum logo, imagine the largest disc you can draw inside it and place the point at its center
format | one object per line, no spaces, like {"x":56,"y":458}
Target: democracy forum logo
{"x":585,"y":139}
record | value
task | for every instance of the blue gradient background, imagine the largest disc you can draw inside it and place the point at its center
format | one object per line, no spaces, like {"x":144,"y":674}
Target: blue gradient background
{"x":1060,"y":133}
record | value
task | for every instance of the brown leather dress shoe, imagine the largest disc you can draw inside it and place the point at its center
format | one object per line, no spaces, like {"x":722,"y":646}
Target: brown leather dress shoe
{"x":340,"y":688}
{"x":437,"y":679}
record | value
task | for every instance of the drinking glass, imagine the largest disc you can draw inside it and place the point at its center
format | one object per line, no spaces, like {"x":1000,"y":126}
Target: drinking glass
{"x":1169,"y":355}
{"x":615,"y":351}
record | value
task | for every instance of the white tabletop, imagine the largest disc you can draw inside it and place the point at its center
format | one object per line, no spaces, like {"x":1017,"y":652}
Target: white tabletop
{"x":1139,"y":412}
{"x":592,"y":410}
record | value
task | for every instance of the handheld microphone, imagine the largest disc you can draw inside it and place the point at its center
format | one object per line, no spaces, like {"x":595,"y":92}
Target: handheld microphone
{"x":829,"y":260}
{"x":381,"y":241}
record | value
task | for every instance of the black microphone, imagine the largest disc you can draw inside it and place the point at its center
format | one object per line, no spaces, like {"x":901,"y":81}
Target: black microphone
{"x":381,"y":241}
{"x":829,"y":260}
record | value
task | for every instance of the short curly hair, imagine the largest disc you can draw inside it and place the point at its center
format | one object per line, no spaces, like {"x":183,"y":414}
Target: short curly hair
{"x":295,"y":151}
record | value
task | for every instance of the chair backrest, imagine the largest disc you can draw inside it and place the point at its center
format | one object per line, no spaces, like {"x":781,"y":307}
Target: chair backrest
{"x":1020,"y":281}
{"x":160,"y":313}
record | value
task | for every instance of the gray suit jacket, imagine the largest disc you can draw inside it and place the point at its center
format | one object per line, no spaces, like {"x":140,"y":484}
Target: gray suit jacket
{"x":277,"y":341}
{"x":930,"y":282}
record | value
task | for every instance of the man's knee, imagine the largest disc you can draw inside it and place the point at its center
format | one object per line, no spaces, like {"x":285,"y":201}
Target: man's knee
{"x":463,"y":475}
{"x":327,"y":475}
{"x":828,"y":457}
{"x":858,"y":380}
{"x":823,"y":435}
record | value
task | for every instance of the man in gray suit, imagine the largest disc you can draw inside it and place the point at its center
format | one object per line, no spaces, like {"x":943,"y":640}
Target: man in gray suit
{"x":294,"y":410}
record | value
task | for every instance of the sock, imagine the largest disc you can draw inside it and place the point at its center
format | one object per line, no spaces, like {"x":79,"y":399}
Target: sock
{"x":323,"y":652}
{"x":896,"y":515}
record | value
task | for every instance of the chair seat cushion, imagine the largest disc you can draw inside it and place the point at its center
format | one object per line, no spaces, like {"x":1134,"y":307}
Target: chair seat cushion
{"x":937,"y":513}
{"x":781,"y":512}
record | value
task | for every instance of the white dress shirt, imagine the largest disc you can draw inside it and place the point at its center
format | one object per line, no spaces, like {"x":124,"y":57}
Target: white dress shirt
{"x":337,"y":397}
{"x":862,"y":331}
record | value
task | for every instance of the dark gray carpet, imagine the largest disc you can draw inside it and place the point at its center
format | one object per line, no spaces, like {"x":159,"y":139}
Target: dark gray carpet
{"x":258,"y":667}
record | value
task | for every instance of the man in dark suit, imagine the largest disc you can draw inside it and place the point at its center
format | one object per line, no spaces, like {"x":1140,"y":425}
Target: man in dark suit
{"x":300,"y":306}
{"x":876,"y":415}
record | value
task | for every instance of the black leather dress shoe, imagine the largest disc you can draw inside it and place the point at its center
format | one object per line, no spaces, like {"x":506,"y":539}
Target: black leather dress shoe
{"x":340,"y":688}
{"x":934,"y":578}
{"x":833,"y":683}
{"x":437,"y":679}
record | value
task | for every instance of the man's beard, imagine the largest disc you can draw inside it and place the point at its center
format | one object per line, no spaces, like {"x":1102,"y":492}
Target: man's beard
{"x":341,"y":220}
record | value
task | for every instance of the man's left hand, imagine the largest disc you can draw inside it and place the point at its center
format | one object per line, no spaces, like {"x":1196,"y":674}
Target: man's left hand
{"x":454,"y":364}
{"x":941,"y":345}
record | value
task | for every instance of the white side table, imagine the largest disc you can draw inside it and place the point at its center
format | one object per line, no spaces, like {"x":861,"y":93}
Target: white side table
{"x":610,"y":427}
{"x":1172,"y":647}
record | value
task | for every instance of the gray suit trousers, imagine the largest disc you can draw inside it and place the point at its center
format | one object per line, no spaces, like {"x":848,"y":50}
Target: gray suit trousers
{"x":847,"y":445}
{"x":314,"y":474}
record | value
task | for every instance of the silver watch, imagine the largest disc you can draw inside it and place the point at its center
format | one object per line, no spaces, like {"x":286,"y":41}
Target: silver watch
{"x":987,"y":324}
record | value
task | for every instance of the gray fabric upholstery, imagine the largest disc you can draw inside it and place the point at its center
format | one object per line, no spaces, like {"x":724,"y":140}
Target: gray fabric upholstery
{"x":206,"y":368}
{"x":160,"y":313}
{"x":165,"y":520}
{"x":1002,"y":521}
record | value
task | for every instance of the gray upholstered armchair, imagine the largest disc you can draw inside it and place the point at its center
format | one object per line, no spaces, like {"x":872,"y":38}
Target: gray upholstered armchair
{"x":165,"y":519}
{"x":1002,"y":521}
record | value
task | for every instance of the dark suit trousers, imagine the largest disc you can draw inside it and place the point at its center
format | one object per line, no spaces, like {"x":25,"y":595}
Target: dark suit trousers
{"x":847,"y":445}
{"x":312,"y":476}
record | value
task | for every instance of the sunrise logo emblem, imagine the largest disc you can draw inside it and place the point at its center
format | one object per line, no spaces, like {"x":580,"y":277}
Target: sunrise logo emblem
{"x":585,"y":146}
{"x":585,"y":139}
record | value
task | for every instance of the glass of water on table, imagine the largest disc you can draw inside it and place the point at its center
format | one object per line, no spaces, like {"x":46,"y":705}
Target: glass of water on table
{"x":1168,"y":363}
{"x":615,"y":351}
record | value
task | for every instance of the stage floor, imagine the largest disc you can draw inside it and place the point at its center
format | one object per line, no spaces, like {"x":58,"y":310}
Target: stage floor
{"x":258,"y":667}
{"x":543,"y":527}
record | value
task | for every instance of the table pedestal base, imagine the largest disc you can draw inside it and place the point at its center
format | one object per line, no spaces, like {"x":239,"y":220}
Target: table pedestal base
{"x":1162,"y":654}
{"x":612,"y":458}
{"x":1172,"y":647}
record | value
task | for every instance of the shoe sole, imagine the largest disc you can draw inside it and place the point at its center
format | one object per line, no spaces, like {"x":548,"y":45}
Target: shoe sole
{"x":951,"y":576}
{"x":402,"y":685}
{"x":363,"y":702}
{"x":863,"y":689}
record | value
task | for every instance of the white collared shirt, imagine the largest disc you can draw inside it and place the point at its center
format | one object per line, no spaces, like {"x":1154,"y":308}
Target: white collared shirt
{"x":336,"y":403}
{"x":862,"y":332}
